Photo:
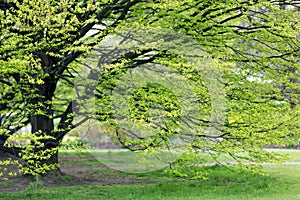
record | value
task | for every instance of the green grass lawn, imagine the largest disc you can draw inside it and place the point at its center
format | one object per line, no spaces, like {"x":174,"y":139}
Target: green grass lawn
{"x":293,"y":153}
{"x":282,"y":183}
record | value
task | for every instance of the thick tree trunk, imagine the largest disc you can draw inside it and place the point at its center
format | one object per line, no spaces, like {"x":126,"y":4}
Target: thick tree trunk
{"x":53,"y":160}
{"x":42,"y":124}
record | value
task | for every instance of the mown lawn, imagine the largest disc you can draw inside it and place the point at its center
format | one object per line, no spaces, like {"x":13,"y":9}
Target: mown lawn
{"x":282,"y":183}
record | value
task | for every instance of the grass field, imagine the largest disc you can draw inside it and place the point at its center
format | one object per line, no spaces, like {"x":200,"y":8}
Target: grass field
{"x":282,"y":183}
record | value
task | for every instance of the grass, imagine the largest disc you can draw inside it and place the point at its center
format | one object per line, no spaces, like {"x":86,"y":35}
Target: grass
{"x":82,"y":158}
{"x":283,"y":182}
{"x":9,"y":183}
{"x":292,"y":153}
{"x":221,"y":185}
{"x":127,"y":158}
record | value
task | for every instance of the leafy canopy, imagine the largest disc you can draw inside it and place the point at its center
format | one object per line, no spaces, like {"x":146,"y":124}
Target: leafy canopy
{"x":253,"y":53}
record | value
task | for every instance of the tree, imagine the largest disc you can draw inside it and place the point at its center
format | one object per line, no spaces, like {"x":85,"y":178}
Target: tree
{"x":254,"y":44}
{"x":39,"y":42}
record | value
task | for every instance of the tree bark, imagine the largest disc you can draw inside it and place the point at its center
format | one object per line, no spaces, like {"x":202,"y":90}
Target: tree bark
{"x":42,"y":124}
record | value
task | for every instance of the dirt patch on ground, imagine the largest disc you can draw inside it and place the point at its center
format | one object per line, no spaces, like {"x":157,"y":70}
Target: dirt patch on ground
{"x":72,"y":172}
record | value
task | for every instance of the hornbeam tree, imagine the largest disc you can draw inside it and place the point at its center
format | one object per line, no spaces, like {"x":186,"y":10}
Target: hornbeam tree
{"x":254,"y":44}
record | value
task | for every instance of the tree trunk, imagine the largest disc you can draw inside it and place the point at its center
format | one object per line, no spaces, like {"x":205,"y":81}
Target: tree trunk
{"x":42,"y":124}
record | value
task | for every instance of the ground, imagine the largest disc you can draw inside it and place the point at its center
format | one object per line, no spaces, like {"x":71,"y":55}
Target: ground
{"x":75,"y":170}
{"x":88,"y":178}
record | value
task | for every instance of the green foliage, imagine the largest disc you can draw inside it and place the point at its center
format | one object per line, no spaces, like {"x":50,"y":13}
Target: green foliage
{"x":254,"y":46}
{"x":249,"y":49}
{"x":5,"y":173}
{"x":33,"y":154}
{"x":74,"y":144}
